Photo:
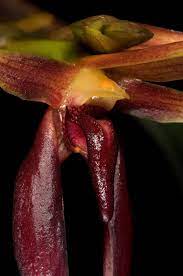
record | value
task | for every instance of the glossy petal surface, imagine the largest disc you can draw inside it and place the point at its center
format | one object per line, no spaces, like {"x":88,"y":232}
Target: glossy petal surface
{"x":38,"y":224}
{"x":101,"y":147}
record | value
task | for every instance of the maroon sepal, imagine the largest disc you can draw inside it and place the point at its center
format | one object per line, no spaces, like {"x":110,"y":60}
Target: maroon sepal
{"x":38,"y":223}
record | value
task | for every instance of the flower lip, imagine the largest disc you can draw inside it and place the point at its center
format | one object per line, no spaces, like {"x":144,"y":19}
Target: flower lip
{"x":91,"y":86}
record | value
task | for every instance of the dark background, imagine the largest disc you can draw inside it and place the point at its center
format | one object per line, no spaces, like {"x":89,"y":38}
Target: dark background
{"x":153,"y":160}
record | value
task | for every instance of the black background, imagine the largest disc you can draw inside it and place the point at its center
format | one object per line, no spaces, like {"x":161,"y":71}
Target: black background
{"x":155,"y":189}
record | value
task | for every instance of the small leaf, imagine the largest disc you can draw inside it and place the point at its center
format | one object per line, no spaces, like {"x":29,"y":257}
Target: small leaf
{"x":58,"y":50}
{"x":151,"y":101}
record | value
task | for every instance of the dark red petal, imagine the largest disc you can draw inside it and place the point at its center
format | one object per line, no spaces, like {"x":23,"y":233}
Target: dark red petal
{"x":151,"y":101}
{"x":38,"y":223}
{"x":101,"y":147}
{"x":118,"y":233}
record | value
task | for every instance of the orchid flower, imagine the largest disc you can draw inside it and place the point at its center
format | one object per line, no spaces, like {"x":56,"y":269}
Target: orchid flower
{"x":81,"y":92}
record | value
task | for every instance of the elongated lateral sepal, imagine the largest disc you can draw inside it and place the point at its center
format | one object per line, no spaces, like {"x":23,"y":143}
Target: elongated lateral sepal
{"x":118,"y":233}
{"x":38,"y":219}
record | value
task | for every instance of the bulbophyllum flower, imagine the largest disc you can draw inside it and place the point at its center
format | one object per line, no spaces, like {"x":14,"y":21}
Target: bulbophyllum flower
{"x":81,"y":95}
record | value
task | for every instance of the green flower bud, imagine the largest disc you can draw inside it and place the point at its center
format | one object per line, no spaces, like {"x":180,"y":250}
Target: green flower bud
{"x":106,"y":34}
